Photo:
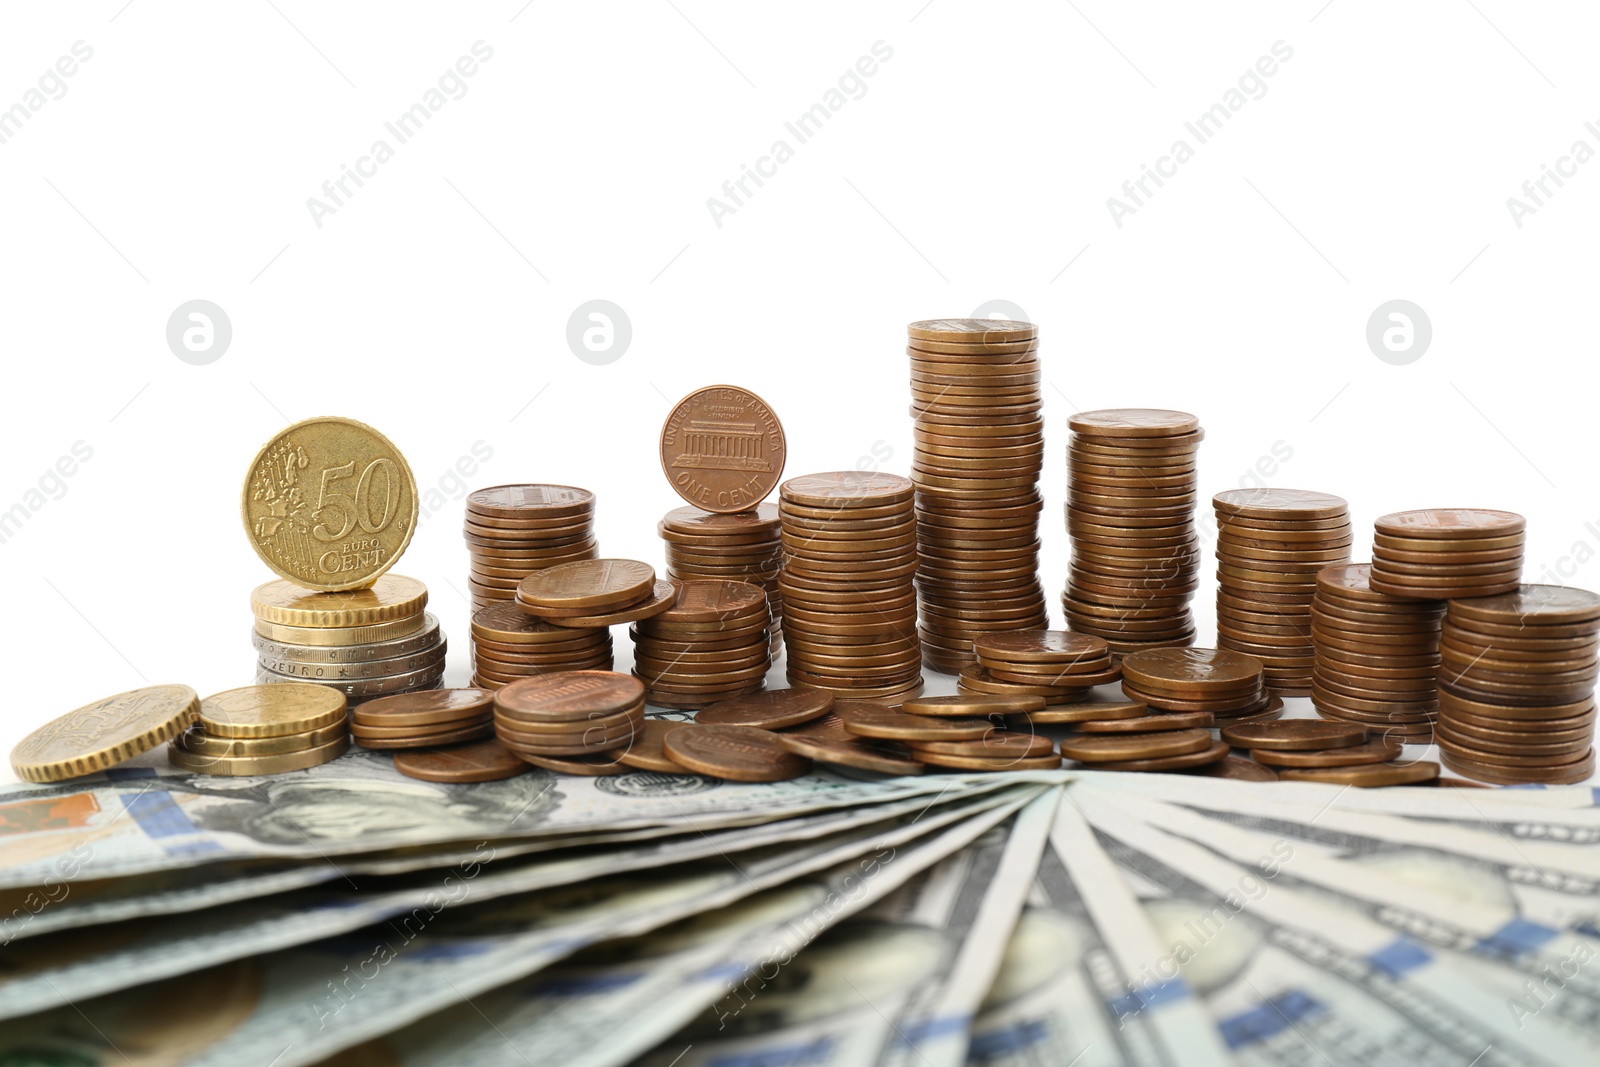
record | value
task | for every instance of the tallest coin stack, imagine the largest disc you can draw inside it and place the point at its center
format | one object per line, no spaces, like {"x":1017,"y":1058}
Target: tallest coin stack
{"x":980,"y":448}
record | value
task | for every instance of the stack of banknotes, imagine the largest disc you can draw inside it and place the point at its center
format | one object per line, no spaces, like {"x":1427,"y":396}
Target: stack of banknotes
{"x":347,"y":915}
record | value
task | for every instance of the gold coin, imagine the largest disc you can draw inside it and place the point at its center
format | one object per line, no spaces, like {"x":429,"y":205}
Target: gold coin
{"x":286,"y":604}
{"x":196,"y":740}
{"x":343,"y":636}
{"x":272,"y":710}
{"x":105,"y":733}
{"x":252,"y":766}
{"x":329,"y":504}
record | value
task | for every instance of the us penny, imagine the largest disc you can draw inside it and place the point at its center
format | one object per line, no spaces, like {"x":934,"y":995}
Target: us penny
{"x":478,"y":761}
{"x":658,"y":602}
{"x":1295,"y":735}
{"x":1366,"y":776}
{"x":773,"y":710}
{"x":971,"y":705}
{"x":596,"y":765}
{"x":734,"y":753}
{"x":647,"y":753}
{"x":848,"y":490}
{"x":570,"y":696}
{"x":1213,"y":753}
{"x":1378,"y":750}
{"x":1155,"y":723}
{"x":428,"y":708}
{"x":1041,"y":646}
{"x":1236,"y":768}
{"x":448,"y":737}
{"x":1451,"y":523}
{"x":760,"y":521}
{"x":1103,"y":747}
{"x":723,"y":449}
{"x":972,"y":331}
{"x":1196,"y":671}
{"x":995,"y":746}
{"x":867,"y":719}
{"x":1532,"y":606}
{"x":572,"y":588}
{"x":1280,"y":503}
{"x":527,"y":502}
{"x":997,"y":765}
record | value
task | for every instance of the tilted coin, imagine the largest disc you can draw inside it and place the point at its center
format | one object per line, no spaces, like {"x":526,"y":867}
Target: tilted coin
{"x":433,"y":738}
{"x":104,"y":733}
{"x":1090,"y":711}
{"x":647,"y":751}
{"x":976,"y":704}
{"x":866,"y":719}
{"x":1290,"y":735}
{"x":597,"y":765}
{"x":1236,"y":768}
{"x":723,"y":449}
{"x":660,"y":601}
{"x":996,"y":746}
{"x":390,"y":597}
{"x":734,"y":753}
{"x":1214,"y":753}
{"x":255,"y":766}
{"x":773,"y":710}
{"x":991,"y":764}
{"x":1145,"y":724}
{"x":1365,"y":775}
{"x":1377,"y":750}
{"x":432,"y":707}
{"x":272,"y":710}
{"x":476,"y":761}
{"x":1096,"y":748}
{"x":329,"y":504}
{"x":848,"y":751}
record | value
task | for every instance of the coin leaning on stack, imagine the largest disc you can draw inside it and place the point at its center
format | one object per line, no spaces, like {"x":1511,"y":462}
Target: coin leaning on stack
{"x":424,"y":720}
{"x":849,"y":592}
{"x":264,"y":729}
{"x":573,"y":723}
{"x":713,"y":644}
{"x":976,"y":400}
{"x":1448,"y":553}
{"x":741,"y":546}
{"x":1377,"y":656}
{"x":363,"y":642}
{"x":1130,"y":513}
{"x":1516,"y":686}
{"x":508,"y":644}
{"x":1271,"y":543}
{"x":514,"y":530}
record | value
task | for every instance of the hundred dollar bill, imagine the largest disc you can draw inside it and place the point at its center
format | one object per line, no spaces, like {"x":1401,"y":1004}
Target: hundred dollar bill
{"x":37,"y":974}
{"x":1293,"y":976}
{"x":301,"y":1005}
{"x":616,"y":1001}
{"x":136,"y":820}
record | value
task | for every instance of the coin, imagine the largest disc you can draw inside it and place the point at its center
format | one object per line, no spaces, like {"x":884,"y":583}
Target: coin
{"x":1533,"y":605}
{"x":1214,"y":753}
{"x":995,"y":746}
{"x":1377,"y":750}
{"x":256,"y":766}
{"x":574,"y":589}
{"x":972,"y":331}
{"x":104,"y":733}
{"x":430,"y":708}
{"x":734,"y":753}
{"x":1242,"y":770}
{"x":341,"y":639}
{"x":595,"y":765}
{"x":426,"y":637}
{"x":1144,"y":724}
{"x":846,"y":751}
{"x":1294,"y":735}
{"x":973,"y":704}
{"x":433,"y":738}
{"x":874,"y":720}
{"x":1194,"y":672}
{"x":329,"y":504}
{"x":1367,"y":775}
{"x":723,"y":449}
{"x":570,"y":696}
{"x":1096,"y":748}
{"x":1451,"y":523}
{"x":390,"y":597}
{"x":1568,"y":773}
{"x":476,"y":761}
{"x":646,"y":752}
{"x":774,"y":710}
{"x":659,"y":601}
{"x":991,"y":764}
{"x":196,"y":740}
{"x":271,"y":710}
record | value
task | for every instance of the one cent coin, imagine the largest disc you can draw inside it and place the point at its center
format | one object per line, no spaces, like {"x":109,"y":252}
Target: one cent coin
{"x":1451,"y":523}
{"x":1366,"y":775}
{"x":646,"y":752}
{"x":847,"y":751}
{"x":777,"y":709}
{"x":575,"y":588}
{"x":723,"y":449}
{"x":1378,"y":750}
{"x":973,"y":704}
{"x":1100,"y":748}
{"x":1146,"y":724}
{"x":570,"y":695}
{"x":1215,"y":753}
{"x":431,"y":707}
{"x":734,"y":753}
{"x":105,"y":733}
{"x":1236,"y":768}
{"x":1295,"y":735}
{"x":479,"y":761}
{"x":866,"y":719}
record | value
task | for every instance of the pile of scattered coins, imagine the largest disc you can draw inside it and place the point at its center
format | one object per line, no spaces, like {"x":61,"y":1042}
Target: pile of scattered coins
{"x":713,"y":644}
{"x":741,"y":546}
{"x":849,"y":598}
{"x":1516,"y":685}
{"x":1229,"y":685}
{"x":363,"y":642}
{"x":1377,"y":656}
{"x":264,"y":729}
{"x":1130,"y":512}
{"x":976,"y":399}
{"x":513,"y":531}
{"x":1448,"y":553}
{"x":424,"y":720}
{"x":508,"y":644}
{"x":1341,"y":753}
{"x":1270,"y":545}
{"x":574,"y":723}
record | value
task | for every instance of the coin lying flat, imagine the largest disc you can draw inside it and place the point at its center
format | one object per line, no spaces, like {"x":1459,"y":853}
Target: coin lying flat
{"x":1367,"y":775}
{"x":973,"y":704}
{"x":995,"y":746}
{"x":570,"y":696}
{"x":773,"y":710}
{"x":1293,"y":735}
{"x":255,"y":766}
{"x":1145,"y":724}
{"x":1238,"y":769}
{"x":433,"y":707}
{"x":866,"y":719}
{"x":272,"y":710}
{"x":1378,"y":750}
{"x":105,"y":733}
{"x":723,"y":449}
{"x":1214,"y":753}
{"x":329,"y":504}
{"x":734,"y":753}
{"x":576,"y":588}
{"x":477,"y":761}
{"x":1097,"y":748}
{"x":388,"y":598}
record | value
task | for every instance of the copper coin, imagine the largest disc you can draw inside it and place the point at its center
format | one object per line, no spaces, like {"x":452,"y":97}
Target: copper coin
{"x":1213,"y":753}
{"x":1378,"y":750}
{"x":570,"y":696}
{"x":1196,"y":671}
{"x":1558,"y":774}
{"x":1133,"y":422}
{"x":1097,"y":748}
{"x":428,"y":708}
{"x":875,"y":720}
{"x":595,"y":765}
{"x":478,"y":761}
{"x":646,"y":752}
{"x":760,"y":520}
{"x":972,"y":331}
{"x":723,"y":449}
{"x":1041,"y":646}
{"x":972,"y":705}
{"x":848,"y":490}
{"x":1452,"y":544}
{"x":588,"y":584}
{"x":773,"y":710}
{"x":1280,"y":503}
{"x":528,"y":501}
{"x":393,"y":733}
{"x":848,"y":752}
{"x":1000,"y":745}
{"x":1155,"y":723}
{"x":660,"y":601}
{"x":1294,"y":735}
{"x":1366,"y":775}
{"x":734,"y":753}
{"x":1236,"y":768}
{"x":993,"y":765}
{"x":1448,"y":523}
{"x":1532,"y":606}
{"x":429,"y":740}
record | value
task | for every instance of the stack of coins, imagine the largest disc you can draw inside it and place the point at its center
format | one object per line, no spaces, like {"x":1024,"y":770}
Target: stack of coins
{"x":714,"y":644}
{"x":424,"y":720}
{"x":744,"y":546}
{"x":1270,"y":545}
{"x":1377,"y":656}
{"x":514,"y":530}
{"x":1229,"y":685}
{"x":264,"y":729}
{"x":1145,"y":751}
{"x":1130,"y":514}
{"x":574,"y":723}
{"x":940,"y":735}
{"x":1339,"y":753}
{"x":849,"y":593}
{"x":980,"y":447}
{"x":593,"y":594}
{"x":1516,"y":686}
{"x":509,"y":644}
{"x":1057,"y":666}
{"x":363,"y":642}
{"x":1448,"y":553}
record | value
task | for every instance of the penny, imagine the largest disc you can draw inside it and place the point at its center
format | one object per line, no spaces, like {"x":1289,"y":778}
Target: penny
{"x":734,"y":753}
{"x":1216,"y":752}
{"x":723,"y":449}
{"x":875,"y":720}
{"x":1448,"y":545}
{"x":1280,"y":503}
{"x":848,"y":752}
{"x":994,"y":746}
{"x":329,"y":504}
{"x":1191,"y":671}
{"x":363,"y":732}
{"x":1378,"y":750}
{"x":645,"y":752}
{"x":972,"y":331}
{"x":997,"y":765}
{"x":570,"y":696}
{"x":1533,"y":606}
{"x":531,"y":502}
{"x":104,"y":733}
{"x":594,"y":765}
{"x":846,"y":490}
{"x":389,"y":597}
{"x":477,"y":761}
{"x":760,"y":520}
{"x":1450,"y":523}
{"x":255,"y":766}
{"x":774,"y":710}
{"x":1238,"y":769}
{"x":659,"y":601}
{"x":1366,"y":775}
{"x":1294,"y":735}
{"x":1096,"y":748}
{"x":574,"y":588}
{"x":1144,"y":724}
{"x":272,"y":710}
{"x":1041,"y":646}
{"x":970,"y":705}
{"x":1558,"y":774}
{"x":474,"y":732}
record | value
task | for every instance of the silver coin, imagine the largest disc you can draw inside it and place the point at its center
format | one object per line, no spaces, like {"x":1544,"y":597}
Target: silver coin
{"x":418,"y":641}
{"x":426,"y":678}
{"x":351,"y":672}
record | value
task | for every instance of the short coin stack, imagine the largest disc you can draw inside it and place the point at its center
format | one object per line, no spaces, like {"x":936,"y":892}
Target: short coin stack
{"x":1159,"y":750}
{"x":1448,"y":553}
{"x":849,"y":593}
{"x":424,"y":720}
{"x":1339,"y":753}
{"x":514,"y":530}
{"x":1270,"y":545}
{"x":715,"y":643}
{"x":1516,"y":686}
{"x":264,"y":729}
{"x":1130,"y":514}
{"x":1377,"y":656}
{"x":508,"y":644}
{"x":980,"y":446}
{"x":593,"y":594}
{"x":363,"y":642}
{"x":949,"y":735}
{"x":1059,"y":667}
{"x":743,"y":546}
{"x":1229,"y":685}
{"x":573,"y":723}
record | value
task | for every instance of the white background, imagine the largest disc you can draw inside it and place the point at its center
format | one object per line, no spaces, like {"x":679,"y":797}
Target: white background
{"x":976,"y":166}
